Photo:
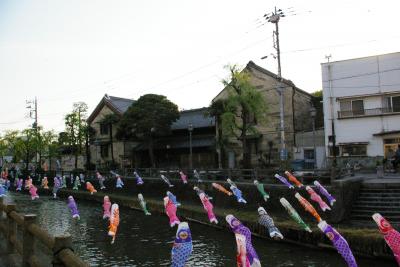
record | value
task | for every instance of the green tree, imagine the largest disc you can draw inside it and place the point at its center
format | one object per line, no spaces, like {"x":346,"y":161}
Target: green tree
{"x":50,"y":146}
{"x":25,"y":145}
{"x":215,"y":110}
{"x":75,"y":123}
{"x":317,"y":103}
{"x":151,"y":115}
{"x":243,"y":109}
{"x":110,"y":120}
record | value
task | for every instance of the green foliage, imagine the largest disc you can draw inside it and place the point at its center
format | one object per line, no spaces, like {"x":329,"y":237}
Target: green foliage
{"x":150,"y":115}
{"x":244,"y":107}
{"x":317,"y":94}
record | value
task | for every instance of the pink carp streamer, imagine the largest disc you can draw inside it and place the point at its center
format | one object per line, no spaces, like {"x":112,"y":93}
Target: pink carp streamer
{"x":106,"y":207}
{"x":170,"y":210}
{"x":307,"y":206}
{"x":392,"y":237}
{"x":208,"y":206}
{"x":284,"y":181}
{"x":317,"y":198}
{"x":293,"y":179}
{"x":183,"y":177}
{"x":339,"y":243}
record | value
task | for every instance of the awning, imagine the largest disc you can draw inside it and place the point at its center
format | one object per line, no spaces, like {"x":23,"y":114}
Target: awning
{"x":386,"y":133}
{"x":353,"y":143}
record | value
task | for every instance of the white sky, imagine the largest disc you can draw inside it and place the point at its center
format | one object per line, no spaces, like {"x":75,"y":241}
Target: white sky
{"x":64,"y":51}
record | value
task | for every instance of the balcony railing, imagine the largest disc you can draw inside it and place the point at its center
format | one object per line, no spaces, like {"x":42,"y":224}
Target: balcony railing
{"x":367,"y":112}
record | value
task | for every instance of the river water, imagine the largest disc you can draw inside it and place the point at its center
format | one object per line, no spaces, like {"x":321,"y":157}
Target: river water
{"x":147,"y":240}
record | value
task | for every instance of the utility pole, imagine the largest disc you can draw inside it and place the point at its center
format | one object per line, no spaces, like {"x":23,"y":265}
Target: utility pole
{"x":333,"y":137}
{"x":34,"y":111}
{"x":274,"y":18}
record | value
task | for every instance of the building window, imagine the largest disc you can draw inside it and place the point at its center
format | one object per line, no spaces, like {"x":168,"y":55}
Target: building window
{"x":353,"y":150}
{"x":392,"y":103}
{"x":104,"y":151}
{"x":350,"y":108}
{"x":104,"y":128}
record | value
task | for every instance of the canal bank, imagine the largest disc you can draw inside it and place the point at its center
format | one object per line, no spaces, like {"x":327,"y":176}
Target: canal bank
{"x":365,"y":242}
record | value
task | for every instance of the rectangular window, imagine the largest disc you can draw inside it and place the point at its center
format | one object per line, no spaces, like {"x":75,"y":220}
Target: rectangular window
{"x":350,"y":108}
{"x":104,"y":151}
{"x":104,"y":128}
{"x":392,"y":104}
{"x":357,"y":106}
{"x":353,"y":150}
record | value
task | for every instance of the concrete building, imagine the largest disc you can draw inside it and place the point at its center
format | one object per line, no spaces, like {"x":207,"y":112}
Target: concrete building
{"x":264,"y":148}
{"x":304,"y":150}
{"x":362,"y":107}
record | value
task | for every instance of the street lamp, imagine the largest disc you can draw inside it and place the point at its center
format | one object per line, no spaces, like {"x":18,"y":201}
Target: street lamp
{"x":313,"y":114}
{"x":190,"y":129}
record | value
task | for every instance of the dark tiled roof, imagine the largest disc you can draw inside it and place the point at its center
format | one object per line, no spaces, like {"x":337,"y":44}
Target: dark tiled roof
{"x":121,"y":104}
{"x":195,"y":117}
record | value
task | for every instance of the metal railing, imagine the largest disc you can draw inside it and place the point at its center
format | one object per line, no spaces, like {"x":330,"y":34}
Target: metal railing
{"x":61,"y":246}
{"x":366,"y":112}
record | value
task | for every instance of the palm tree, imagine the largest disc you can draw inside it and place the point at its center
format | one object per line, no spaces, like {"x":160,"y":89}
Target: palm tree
{"x":111,"y":119}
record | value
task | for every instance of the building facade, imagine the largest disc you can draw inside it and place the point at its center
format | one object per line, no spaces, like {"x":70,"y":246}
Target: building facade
{"x":264,"y":148}
{"x":362,"y":108}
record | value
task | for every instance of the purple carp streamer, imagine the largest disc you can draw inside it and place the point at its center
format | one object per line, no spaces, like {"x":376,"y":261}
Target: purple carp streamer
{"x":284,"y":181}
{"x":325,"y":192}
{"x":339,"y":243}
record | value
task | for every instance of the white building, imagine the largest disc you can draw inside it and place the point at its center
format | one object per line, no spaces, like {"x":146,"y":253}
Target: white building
{"x":362,"y":96}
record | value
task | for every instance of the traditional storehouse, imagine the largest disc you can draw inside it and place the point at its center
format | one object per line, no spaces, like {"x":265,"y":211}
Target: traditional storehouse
{"x":266,"y":146}
{"x":104,"y":146}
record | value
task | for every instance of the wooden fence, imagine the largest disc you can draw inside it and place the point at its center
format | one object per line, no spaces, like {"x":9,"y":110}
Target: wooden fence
{"x":61,"y":246}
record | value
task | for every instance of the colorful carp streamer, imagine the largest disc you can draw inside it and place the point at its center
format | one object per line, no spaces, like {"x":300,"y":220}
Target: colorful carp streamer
{"x":33,"y":192}
{"x":238,"y":194}
{"x":293,"y":179}
{"x":238,"y":228}
{"x":293,"y":213}
{"x":183,"y":177}
{"x":3,"y":191}
{"x":265,"y":220}
{"x":231,"y":183}
{"x":142,"y":203}
{"x":119,"y":183}
{"x":170,"y":210}
{"x":114,"y":222}
{"x":284,"y":181}
{"x":392,"y":237}
{"x":90,"y":188}
{"x":56,"y":186}
{"x":208,"y":206}
{"x":19,"y":184}
{"x":106,"y":207}
{"x":183,"y":247}
{"x":165,"y":179}
{"x":101,"y":180}
{"x":221,"y":189}
{"x":339,"y":243}
{"x":322,"y":190}
{"x":197,"y":176}
{"x":139,"y":180}
{"x":241,"y":256}
{"x":317,"y":198}
{"x":63,"y":182}
{"x":73,"y":207}
{"x":260,"y":188}
{"x":28,"y":183}
{"x":45,"y":183}
{"x":307,"y":206}
{"x":172,"y":197}
{"x":77,"y":183}
{"x":199,"y":191}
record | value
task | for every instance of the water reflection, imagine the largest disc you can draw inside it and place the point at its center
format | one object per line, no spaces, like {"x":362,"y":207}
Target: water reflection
{"x":147,"y":240}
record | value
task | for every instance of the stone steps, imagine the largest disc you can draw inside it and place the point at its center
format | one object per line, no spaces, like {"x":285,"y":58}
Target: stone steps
{"x":376,"y":199}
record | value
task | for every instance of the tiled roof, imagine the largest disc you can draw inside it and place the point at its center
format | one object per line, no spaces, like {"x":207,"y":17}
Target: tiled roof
{"x":121,"y":104}
{"x":195,"y":117}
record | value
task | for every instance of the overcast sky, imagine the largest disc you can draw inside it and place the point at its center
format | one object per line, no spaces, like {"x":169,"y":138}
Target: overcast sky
{"x":64,"y":51}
